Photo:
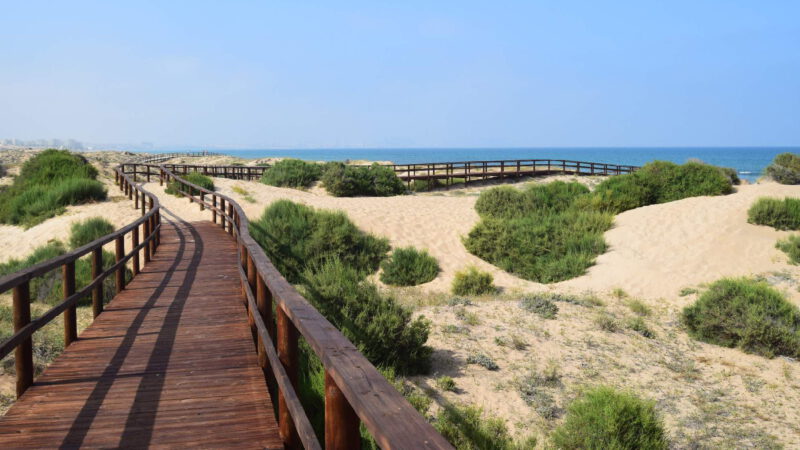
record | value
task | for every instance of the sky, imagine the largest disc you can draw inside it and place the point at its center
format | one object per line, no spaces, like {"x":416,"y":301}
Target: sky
{"x":308,"y":74}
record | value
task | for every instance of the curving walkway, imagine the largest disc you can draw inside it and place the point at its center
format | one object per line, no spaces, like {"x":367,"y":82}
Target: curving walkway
{"x":169,"y":363}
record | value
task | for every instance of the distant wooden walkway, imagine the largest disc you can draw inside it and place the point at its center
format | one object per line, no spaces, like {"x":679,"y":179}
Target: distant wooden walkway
{"x":170,"y":362}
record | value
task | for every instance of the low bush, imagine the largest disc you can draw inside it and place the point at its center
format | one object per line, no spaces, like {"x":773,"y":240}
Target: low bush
{"x":468,"y":428}
{"x":174,"y":187}
{"x":471,"y":281}
{"x":785,"y":168}
{"x":3,"y":171}
{"x":541,"y":305}
{"x":638,"y":325}
{"x":382,"y":329}
{"x":776,"y":213}
{"x":605,"y":418}
{"x":482,"y":360}
{"x":86,"y":231}
{"x":341,"y":180}
{"x":661,"y":182}
{"x":446,"y":383}
{"x":790,"y":246}
{"x":47,"y":183}
{"x":297,"y":237}
{"x":426,"y":185}
{"x":293,"y":173}
{"x":744,"y":313}
{"x":409,"y":267}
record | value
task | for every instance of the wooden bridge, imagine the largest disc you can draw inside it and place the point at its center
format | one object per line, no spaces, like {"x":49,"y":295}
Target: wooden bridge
{"x":199,"y":349}
{"x":433,"y":175}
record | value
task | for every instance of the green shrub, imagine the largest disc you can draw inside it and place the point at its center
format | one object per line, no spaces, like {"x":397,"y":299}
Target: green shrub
{"x":503,"y":202}
{"x":638,"y":325}
{"x":790,"y":246}
{"x":779,"y":214}
{"x":341,"y":180}
{"x":174,"y":187}
{"x":732,"y":174}
{"x":785,"y":168}
{"x":47,"y":183}
{"x":739,"y":312}
{"x":545,"y":248}
{"x":660,"y":182}
{"x":426,"y":185}
{"x":3,"y":171}
{"x":296,"y":237}
{"x":86,"y":231}
{"x":381,"y":329}
{"x":409,"y":267}
{"x":605,"y":418}
{"x":541,"y":305}
{"x":471,"y":281}
{"x":468,"y":428}
{"x":52,"y":166}
{"x":293,"y":173}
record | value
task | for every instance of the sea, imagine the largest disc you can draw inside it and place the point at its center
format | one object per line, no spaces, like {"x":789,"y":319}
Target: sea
{"x":749,"y":162}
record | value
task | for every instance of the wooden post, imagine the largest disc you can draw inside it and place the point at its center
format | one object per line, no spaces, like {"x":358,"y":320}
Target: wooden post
{"x":202,"y":199}
{"x":230,"y":214}
{"x":287,"y":353}
{"x":120,"y":274}
{"x":222,"y":217}
{"x":214,"y":209}
{"x":251,"y":280}
{"x":264,"y":304}
{"x":71,"y":313}
{"x":97,"y":292}
{"x":23,"y":354}
{"x":144,"y":206}
{"x":136,"y":199}
{"x":151,"y":246}
{"x":134,"y":244}
{"x":341,"y":422}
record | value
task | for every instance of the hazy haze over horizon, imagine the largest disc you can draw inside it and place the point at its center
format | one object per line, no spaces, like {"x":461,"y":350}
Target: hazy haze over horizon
{"x":359,"y":74}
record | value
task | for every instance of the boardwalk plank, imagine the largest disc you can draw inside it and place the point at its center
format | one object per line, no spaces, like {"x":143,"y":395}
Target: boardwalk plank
{"x":170,"y":362}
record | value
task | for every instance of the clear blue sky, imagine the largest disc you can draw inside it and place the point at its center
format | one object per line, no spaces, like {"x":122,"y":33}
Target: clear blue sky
{"x":389,"y":74}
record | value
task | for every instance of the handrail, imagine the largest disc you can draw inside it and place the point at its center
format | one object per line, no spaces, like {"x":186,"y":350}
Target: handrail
{"x":354,"y":389}
{"x":21,"y":341}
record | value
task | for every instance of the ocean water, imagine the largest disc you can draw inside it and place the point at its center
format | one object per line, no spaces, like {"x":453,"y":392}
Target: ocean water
{"x":748,"y":161}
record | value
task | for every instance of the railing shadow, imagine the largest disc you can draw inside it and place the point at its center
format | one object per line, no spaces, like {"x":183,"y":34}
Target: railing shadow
{"x":142,"y":422}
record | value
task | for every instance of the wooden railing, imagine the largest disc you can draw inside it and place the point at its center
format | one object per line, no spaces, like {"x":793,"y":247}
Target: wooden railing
{"x":438,"y":174}
{"x":450,"y":173}
{"x":160,"y":157}
{"x":22,"y":339}
{"x":355,"y":392}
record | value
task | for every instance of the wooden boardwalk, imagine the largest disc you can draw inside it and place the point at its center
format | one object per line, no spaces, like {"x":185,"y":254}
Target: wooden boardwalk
{"x":169,"y":363}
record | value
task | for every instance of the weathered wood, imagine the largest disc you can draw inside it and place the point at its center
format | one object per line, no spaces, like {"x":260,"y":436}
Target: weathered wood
{"x":341,"y":422}
{"x":23,"y":356}
{"x":71,"y":313}
{"x":287,"y":352}
{"x":264,"y":303}
{"x":97,"y":291}
{"x":135,"y":243}
{"x":119,"y":254}
{"x":168,"y":364}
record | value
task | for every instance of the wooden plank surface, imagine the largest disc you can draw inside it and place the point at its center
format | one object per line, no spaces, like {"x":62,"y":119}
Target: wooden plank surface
{"x":169,"y":363}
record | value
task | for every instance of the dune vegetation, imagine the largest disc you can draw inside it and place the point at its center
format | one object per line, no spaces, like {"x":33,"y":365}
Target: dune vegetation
{"x":785,"y":168}
{"x":553,"y":232}
{"x":409,"y":267}
{"x":790,"y":246}
{"x":341,"y":180}
{"x":776,"y":213}
{"x":603,"y":417}
{"x":47,"y":183}
{"x":175,"y":187}
{"x":748,"y":314}
{"x":294,"y":173}
{"x":330,"y":258}
{"x":86,"y":231}
{"x":46,"y":291}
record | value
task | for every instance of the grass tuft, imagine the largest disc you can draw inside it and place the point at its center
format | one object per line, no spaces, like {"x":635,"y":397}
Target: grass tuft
{"x":776,"y":213}
{"x":86,"y":231}
{"x":541,"y":305}
{"x":471,"y":281}
{"x":790,"y":246}
{"x":174,"y":187}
